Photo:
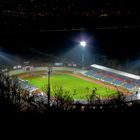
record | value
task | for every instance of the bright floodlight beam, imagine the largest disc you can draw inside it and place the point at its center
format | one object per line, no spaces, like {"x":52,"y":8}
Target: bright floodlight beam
{"x":83,"y":43}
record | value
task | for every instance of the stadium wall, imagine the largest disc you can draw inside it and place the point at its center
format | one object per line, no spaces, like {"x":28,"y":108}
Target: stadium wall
{"x":19,"y":71}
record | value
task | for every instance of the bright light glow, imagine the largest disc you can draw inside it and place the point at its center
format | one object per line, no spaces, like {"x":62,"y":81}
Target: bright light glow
{"x":83,"y":43}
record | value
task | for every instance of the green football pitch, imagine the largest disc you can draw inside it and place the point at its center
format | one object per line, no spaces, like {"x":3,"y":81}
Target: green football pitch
{"x":77,"y":87}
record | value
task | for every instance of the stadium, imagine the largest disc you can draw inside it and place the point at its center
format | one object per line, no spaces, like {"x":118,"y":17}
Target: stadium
{"x":69,"y":56}
{"x":113,"y":79}
{"x":76,"y":83}
{"x":57,"y":84}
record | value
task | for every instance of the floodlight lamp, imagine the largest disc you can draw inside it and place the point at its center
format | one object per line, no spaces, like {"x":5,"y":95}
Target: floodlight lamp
{"x":83,"y":43}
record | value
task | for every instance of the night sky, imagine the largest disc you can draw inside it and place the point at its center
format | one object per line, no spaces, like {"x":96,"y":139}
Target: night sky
{"x":118,"y":44}
{"x":25,"y":36}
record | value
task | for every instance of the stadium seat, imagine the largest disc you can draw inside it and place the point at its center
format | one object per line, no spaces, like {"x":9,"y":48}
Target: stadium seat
{"x":128,"y":86}
{"x":117,"y":82}
{"x":108,"y":79}
{"x":116,"y":79}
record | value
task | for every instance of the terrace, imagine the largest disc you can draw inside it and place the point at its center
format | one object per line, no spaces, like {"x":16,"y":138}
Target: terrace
{"x":116,"y":77}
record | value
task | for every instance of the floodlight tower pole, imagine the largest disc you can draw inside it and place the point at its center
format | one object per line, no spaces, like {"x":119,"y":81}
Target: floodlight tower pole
{"x":83,"y":57}
{"x":49,"y":72}
{"x":83,"y":45}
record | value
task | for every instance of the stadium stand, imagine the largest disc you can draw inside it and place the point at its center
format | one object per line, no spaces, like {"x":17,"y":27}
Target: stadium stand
{"x":115,"y":77}
{"x":129,"y":86}
{"x":117,"y":82}
{"x":108,"y":79}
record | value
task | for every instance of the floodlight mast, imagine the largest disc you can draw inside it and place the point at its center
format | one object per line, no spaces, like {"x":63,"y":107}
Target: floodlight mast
{"x":83,"y":45}
{"x":49,"y":73}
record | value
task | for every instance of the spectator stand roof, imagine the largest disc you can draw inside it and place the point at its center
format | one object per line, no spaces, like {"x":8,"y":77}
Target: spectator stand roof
{"x":129,"y":75}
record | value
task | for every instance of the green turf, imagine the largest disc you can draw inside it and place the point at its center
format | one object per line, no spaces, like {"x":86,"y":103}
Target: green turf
{"x":77,"y":87}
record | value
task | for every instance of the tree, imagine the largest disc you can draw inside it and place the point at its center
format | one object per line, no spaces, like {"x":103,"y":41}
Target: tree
{"x":93,"y":97}
{"x":119,"y":100}
{"x":63,"y":98}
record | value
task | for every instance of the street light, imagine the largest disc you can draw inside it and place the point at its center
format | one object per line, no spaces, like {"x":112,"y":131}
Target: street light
{"x":83,"y":45}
